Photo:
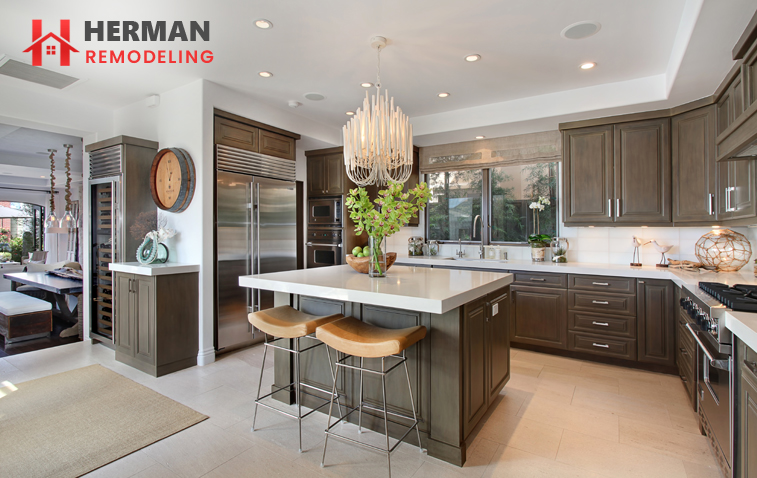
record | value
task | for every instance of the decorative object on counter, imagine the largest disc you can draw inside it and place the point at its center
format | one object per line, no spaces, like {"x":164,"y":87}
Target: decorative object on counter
{"x":433,"y":247}
{"x":395,"y":210}
{"x":539,"y":243}
{"x":363,"y":264}
{"x":52,"y":220}
{"x":378,"y":139}
{"x":68,"y":221}
{"x":689,"y":266}
{"x":723,"y":250}
{"x":559,"y":246}
{"x":415,"y":246}
{"x":172,"y":179}
{"x":662,"y":250}
{"x":152,"y":250}
{"x":638,"y":243}
{"x":537,"y":207}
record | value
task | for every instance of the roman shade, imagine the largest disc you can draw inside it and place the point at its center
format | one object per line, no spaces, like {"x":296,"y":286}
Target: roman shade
{"x":488,"y":153}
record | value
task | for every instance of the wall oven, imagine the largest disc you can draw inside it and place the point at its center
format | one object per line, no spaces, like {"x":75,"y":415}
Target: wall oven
{"x":324,"y":247}
{"x":325,"y":211}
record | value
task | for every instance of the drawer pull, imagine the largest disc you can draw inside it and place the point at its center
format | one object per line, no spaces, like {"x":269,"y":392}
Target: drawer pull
{"x":603,"y":324}
{"x":537,"y":280}
{"x":599,"y":283}
{"x":604,"y":346}
{"x":600,"y":302}
{"x":683,"y":351}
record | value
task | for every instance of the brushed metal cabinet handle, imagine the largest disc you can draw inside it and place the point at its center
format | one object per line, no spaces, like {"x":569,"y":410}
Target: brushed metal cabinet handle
{"x":600,"y":302}
{"x":603,"y":324}
{"x":600,"y":283}
{"x":609,"y":208}
{"x":537,"y":280}
{"x":712,"y":204}
{"x":617,"y":208}
{"x":604,"y":346}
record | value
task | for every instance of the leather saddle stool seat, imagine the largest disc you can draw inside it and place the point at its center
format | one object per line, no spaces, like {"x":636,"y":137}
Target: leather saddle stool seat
{"x":289,"y":323}
{"x":354,"y":337}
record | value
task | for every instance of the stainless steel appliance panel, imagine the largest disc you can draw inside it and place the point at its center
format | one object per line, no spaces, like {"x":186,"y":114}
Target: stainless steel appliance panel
{"x":324,"y":247}
{"x":325,"y":211}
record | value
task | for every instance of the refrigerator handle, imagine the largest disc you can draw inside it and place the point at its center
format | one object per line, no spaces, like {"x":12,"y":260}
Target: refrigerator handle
{"x":256,"y":257}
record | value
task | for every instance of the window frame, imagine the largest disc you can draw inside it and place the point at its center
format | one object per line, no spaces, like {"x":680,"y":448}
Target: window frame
{"x":486,"y":212}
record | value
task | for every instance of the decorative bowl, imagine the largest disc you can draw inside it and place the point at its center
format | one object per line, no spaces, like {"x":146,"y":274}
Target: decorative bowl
{"x":361,"y":264}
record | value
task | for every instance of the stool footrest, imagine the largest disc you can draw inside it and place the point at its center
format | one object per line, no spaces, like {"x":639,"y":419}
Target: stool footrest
{"x":368,"y":445}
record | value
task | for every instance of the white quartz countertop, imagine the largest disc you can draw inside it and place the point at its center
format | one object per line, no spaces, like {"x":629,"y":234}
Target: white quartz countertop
{"x":153,"y":269}
{"x":744,"y":326}
{"x":412,"y":288}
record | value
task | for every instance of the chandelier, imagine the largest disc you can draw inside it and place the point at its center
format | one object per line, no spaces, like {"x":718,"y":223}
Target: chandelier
{"x":378,"y":139}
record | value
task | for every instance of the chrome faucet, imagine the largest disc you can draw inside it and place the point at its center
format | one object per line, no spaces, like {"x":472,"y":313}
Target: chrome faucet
{"x":481,"y":248}
{"x":461,"y":252}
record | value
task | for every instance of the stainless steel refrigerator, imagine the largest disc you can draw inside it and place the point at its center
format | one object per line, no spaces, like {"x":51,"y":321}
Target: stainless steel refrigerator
{"x":256,"y":233}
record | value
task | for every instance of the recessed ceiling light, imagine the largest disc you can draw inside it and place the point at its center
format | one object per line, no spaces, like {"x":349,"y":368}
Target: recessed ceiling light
{"x":366,"y":85}
{"x":263,"y":24}
{"x":265,"y":74}
{"x":43,"y":177}
{"x":480,"y":137}
{"x":443,"y":95}
{"x":588,"y":65}
{"x":580,"y":30}
{"x":314,"y":96}
{"x":472,"y":57}
{"x":350,"y":113}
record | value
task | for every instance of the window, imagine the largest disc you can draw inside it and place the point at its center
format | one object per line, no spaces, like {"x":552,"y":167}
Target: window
{"x":51,"y":49}
{"x":502,"y":193}
{"x":455,"y":201}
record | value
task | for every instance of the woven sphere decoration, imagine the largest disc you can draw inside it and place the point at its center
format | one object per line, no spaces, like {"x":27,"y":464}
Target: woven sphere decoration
{"x":723,"y":250}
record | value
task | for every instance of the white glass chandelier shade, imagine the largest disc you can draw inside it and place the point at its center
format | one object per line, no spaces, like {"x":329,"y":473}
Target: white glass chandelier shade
{"x":68,"y":221}
{"x":51,"y":221}
{"x":378,"y":139}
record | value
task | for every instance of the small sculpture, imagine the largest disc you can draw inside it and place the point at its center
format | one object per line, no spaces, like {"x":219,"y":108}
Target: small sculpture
{"x":662,"y":250}
{"x":637,"y":244}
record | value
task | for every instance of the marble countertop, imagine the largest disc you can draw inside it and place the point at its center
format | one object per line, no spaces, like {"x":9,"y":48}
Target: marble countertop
{"x":153,"y":269}
{"x":413,"y":288}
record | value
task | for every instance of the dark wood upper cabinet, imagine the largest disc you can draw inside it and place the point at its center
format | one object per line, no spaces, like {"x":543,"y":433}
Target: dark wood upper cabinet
{"x":326,"y":175}
{"x":334,"y":174}
{"x":694,"y":165}
{"x":243,"y":133}
{"x":236,"y":134}
{"x":736,"y":190}
{"x":642,"y":172}
{"x":539,"y":316}
{"x":316,"y":178}
{"x":731,"y":103}
{"x":656,"y":322}
{"x":278,"y":145}
{"x":588,"y":175}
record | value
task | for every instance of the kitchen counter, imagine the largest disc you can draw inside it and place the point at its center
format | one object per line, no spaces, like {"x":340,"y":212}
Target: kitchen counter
{"x":435,"y":291}
{"x":744,"y":326}
{"x":153,"y":269}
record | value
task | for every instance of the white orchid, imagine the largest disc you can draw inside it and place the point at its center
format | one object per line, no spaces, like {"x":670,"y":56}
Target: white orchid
{"x":533,"y":205}
{"x":544,"y":200}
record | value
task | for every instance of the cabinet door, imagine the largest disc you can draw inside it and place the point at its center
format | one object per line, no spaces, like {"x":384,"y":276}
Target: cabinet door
{"x":539,"y":316}
{"x":334,"y":174}
{"x":588,"y":177}
{"x":143,"y":316}
{"x":316,"y":178}
{"x":498,"y":335}
{"x":124,"y":322}
{"x":694,"y":166}
{"x":238,"y":135}
{"x":277,"y":145}
{"x":725,"y":176}
{"x":475,"y":389}
{"x":656,"y":322}
{"x":642,"y":172}
{"x":747,"y":405}
{"x":743,"y":196}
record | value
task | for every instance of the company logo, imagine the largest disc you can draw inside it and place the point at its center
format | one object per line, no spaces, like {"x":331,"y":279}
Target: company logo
{"x":51,"y":44}
{"x":126,"y":31}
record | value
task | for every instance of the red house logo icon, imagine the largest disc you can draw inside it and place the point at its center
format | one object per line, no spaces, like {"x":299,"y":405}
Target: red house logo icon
{"x":63,"y":48}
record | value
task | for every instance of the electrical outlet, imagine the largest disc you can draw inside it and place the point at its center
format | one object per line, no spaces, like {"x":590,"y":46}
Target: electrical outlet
{"x":495,"y":309}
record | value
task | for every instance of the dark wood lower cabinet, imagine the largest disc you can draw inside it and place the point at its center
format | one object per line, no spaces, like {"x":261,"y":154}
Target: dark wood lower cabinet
{"x":475,"y":387}
{"x":498,"y":343}
{"x":603,"y":345}
{"x":656,"y":321}
{"x":539,"y":316}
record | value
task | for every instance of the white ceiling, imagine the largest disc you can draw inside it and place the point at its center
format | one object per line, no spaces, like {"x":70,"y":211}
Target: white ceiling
{"x":23,"y":153}
{"x":528,"y":72}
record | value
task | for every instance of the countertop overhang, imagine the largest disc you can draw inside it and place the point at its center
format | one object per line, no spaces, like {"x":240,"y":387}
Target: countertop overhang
{"x":421,"y":289}
{"x":153,"y":269}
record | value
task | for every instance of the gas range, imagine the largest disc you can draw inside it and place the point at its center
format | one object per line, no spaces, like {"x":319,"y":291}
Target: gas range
{"x":707,"y":307}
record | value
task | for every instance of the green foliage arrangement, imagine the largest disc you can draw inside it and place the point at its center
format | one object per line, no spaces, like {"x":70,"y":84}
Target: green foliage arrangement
{"x":16,"y":249}
{"x":539,"y":240}
{"x":27,"y":243}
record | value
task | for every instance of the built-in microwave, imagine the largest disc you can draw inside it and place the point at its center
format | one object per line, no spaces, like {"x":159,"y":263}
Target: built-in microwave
{"x":325,"y":211}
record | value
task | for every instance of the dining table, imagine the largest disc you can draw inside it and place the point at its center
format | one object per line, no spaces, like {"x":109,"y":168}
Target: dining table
{"x":58,"y":287}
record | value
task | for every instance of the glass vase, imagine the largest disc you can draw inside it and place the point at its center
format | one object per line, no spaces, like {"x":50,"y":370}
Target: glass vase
{"x":377,"y":266}
{"x":537,"y":254}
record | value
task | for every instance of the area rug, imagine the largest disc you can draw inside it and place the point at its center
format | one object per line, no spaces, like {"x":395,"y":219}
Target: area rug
{"x":69,"y":424}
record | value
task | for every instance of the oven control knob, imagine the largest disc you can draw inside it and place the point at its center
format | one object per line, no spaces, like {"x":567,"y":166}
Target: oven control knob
{"x":701,"y":318}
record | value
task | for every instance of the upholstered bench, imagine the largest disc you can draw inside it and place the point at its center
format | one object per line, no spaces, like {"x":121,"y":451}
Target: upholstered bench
{"x":23,"y":317}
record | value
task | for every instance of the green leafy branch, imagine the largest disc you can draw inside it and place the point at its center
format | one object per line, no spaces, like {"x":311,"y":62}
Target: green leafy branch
{"x":391,"y":210}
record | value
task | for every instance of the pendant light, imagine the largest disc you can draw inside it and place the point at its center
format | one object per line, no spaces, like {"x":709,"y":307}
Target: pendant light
{"x":52,"y":220}
{"x":378,"y":139}
{"x":68,"y":221}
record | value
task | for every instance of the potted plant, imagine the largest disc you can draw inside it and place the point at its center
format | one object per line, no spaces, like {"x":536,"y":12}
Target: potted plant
{"x":538,"y":242}
{"x":395,"y":209}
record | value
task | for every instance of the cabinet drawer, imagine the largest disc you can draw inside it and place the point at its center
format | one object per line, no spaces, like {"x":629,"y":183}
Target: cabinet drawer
{"x":540,"y":280}
{"x":603,"y":303}
{"x":602,"y":345}
{"x":602,"y":324}
{"x":685,"y":371}
{"x":621,"y":285}
{"x":684,"y":336}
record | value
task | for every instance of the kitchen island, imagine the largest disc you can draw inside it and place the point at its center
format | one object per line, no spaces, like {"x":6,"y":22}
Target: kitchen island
{"x":456,"y":372}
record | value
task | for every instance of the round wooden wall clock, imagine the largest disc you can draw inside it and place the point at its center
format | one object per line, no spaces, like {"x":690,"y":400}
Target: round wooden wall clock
{"x":172,"y":179}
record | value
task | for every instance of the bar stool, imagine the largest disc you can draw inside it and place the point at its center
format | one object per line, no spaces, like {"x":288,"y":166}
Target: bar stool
{"x":284,"y":323}
{"x":355,"y":338}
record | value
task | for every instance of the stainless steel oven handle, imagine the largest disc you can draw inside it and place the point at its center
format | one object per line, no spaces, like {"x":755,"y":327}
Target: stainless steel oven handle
{"x":721,"y":364}
{"x":323,"y":245}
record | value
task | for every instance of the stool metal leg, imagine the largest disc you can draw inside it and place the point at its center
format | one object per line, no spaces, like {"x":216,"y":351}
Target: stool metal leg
{"x":386,"y":421}
{"x":360,"y":402}
{"x":328,"y":423}
{"x":260,"y":381}
{"x":297,"y":386}
{"x":333,"y":377}
{"x":412,"y":404}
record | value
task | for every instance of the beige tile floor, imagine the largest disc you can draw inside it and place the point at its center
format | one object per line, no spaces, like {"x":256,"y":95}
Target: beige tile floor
{"x":556,"y":417}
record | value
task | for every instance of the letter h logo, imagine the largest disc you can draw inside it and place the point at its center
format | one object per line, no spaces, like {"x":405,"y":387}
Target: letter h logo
{"x":63,"y":46}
